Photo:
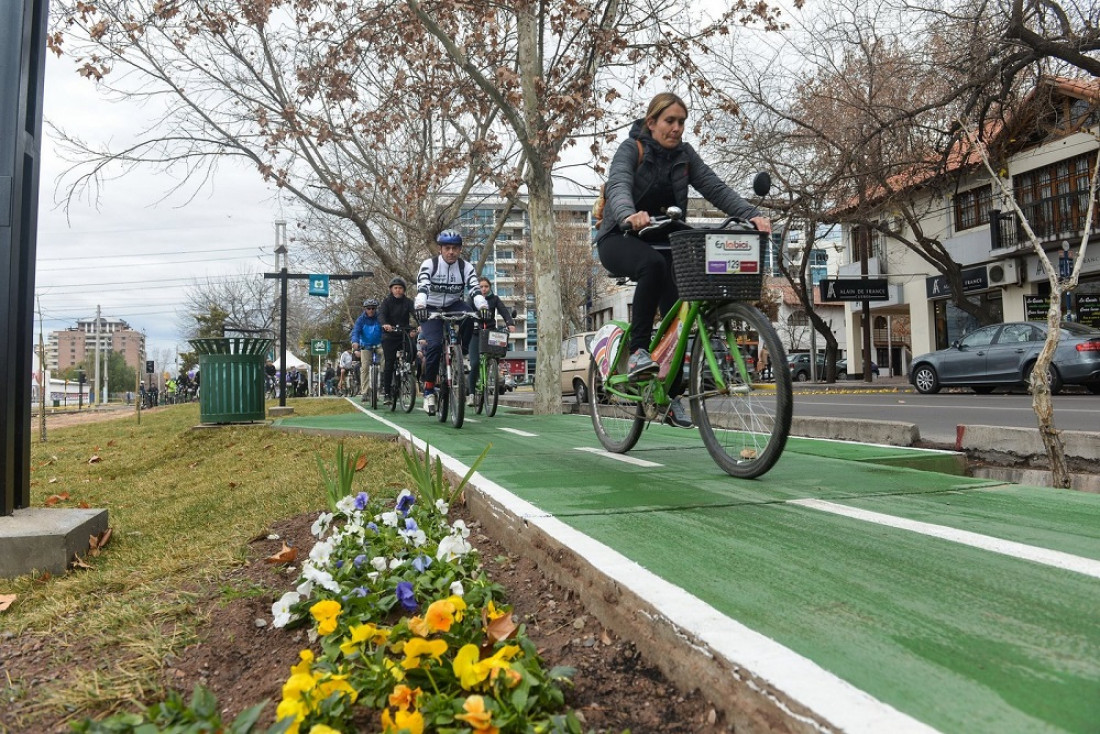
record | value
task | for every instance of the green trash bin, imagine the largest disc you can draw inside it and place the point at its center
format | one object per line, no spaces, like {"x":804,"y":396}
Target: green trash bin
{"x":231,"y":379}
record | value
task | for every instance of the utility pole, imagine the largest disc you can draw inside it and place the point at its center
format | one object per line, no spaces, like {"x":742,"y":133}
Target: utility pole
{"x":98,"y":384}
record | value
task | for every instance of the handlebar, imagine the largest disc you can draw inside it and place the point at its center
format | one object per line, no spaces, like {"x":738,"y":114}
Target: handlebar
{"x":659,"y":224}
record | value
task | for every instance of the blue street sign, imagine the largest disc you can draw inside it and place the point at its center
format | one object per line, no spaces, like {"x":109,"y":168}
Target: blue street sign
{"x":318,"y":285}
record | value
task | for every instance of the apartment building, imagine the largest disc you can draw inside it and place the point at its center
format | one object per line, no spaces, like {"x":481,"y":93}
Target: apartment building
{"x":78,"y":343}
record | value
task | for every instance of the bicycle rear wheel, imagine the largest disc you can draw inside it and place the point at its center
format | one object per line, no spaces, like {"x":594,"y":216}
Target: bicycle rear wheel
{"x":745,"y":424}
{"x":491,"y":389}
{"x":406,"y":386}
{"x":618,"y":421}
{"x":442,"y":386}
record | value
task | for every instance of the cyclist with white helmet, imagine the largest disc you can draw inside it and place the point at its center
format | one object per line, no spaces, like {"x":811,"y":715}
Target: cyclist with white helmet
{"x":394,"y":313}
{"x":367,"y":333}
{"x":442,"y":285}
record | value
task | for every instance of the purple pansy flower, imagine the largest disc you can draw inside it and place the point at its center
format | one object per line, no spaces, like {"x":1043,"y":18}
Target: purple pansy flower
{"x":361,"y":500}
{"x":421,"y":563}
{"x":406,"y":596}
{"x":405,"y":502}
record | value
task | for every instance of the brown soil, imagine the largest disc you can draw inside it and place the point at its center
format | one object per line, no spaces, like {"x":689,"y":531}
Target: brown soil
{"x":243,"y":660}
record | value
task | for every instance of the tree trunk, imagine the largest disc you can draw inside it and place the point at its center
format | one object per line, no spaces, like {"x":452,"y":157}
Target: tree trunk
{"x":1040,"y":394}
{"x":540,"y":189}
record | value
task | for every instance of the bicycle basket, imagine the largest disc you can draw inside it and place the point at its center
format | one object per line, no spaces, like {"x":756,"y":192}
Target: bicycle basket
{"x":712,"y":265}
{"x":494,"y":342}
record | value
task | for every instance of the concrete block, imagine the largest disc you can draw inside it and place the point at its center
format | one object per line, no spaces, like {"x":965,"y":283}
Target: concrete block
{"x":280,"y":411}
{"x":42,"y":539}
{"x":1025,"y":442}
{"x":857,"y":429}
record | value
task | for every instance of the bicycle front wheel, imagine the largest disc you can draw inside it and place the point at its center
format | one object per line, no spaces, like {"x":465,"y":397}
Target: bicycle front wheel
{"x":743,"y":421}
{"x":491,"y":386}
{"x":618,"y":421}
{"x":457,"y":388}
{"x":406,"y":386}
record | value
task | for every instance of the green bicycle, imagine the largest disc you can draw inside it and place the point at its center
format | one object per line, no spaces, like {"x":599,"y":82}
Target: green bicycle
{"x":743,"y":420}
{"x":492,"y":346}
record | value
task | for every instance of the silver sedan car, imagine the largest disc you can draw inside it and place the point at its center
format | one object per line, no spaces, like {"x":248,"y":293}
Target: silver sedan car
{"x":1003,"y":355}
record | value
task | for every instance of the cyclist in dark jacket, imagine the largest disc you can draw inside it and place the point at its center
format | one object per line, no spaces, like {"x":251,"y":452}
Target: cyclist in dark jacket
{"x":496,"y":306}
{"x":641,"y":186}
{"x":394,"y":315}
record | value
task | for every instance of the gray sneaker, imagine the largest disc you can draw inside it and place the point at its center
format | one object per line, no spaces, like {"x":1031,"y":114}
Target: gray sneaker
{"x":677,"y":415}
{"x":429,"y":403}
{"x":640,"y":363}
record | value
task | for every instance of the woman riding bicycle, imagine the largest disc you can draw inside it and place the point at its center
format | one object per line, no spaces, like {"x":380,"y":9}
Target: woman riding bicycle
{"x":650,"y":172}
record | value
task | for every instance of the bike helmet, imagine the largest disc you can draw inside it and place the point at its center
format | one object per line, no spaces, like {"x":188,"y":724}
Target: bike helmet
{"x":398,"y":281}
{"x":449,"y":237}
{"x":370,"y":303}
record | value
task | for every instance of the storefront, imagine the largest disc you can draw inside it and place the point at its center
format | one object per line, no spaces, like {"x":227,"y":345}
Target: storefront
{"x":1082,"y":305}
{"x":951,"y":322}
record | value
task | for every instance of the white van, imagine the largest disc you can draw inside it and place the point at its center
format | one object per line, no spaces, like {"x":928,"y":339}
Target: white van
{"x":575,"y":356}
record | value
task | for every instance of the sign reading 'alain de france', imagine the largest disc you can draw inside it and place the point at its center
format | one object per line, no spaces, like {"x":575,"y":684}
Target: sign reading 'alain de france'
{"x":854,"y":289}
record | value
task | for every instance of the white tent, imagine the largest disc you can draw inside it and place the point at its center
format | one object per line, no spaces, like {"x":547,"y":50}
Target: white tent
{"x":293,"y":362}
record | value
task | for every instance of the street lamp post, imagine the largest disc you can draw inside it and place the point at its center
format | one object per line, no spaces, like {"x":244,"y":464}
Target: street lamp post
{"x":1065,"y":270}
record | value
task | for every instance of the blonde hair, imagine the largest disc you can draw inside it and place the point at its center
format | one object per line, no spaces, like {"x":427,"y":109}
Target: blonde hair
{"x":662,"y":102}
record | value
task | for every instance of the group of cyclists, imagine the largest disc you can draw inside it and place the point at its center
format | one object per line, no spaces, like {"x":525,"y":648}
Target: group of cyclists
{"x":445,"y":283}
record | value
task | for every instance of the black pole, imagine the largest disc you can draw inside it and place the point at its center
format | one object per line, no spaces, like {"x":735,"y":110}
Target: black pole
{"x":23,"y":27}
{"x":282,"y":336}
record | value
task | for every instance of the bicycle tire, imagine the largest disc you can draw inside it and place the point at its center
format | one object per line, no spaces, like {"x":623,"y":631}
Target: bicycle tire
{"x":374,"y":386}
{"x":618,"y":422}
{"x":457,"y":387}
{"x":492,"y":385}
{"x":409,"y":386}
{"x":744,"y":428}
{"x":479,"y":389}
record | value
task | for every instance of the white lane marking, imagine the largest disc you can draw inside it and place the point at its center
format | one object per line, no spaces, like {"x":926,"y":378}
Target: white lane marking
{"x":518,"y":432}
{"x":1058,"y":559}
{"x":837,"y":701}
{"x":617,"y":457}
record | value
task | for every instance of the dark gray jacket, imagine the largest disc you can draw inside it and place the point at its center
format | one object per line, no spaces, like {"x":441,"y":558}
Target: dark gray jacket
{"x":627,"y":182}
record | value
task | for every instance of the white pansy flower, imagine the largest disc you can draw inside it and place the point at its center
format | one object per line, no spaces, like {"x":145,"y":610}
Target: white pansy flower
{"x":379,"y":563}
{"x":280,"y":610}
{"x":442,"y":507}
{"x":396,"y":563}
{"x":321,"y":524}
{"x":321,"y":553}
{"x":452,"y":547}
{"x":346,"y":505}
{"x":372,"y":576}
{"x":321,"y":578}
{"x":457,"y":590}
{"x":459,"y":528}
{"x":306,"y":587}
{"x":389,"y":518}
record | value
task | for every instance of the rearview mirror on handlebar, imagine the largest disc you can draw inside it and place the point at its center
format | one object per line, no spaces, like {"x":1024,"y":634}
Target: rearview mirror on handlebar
{"x":762,"y":183}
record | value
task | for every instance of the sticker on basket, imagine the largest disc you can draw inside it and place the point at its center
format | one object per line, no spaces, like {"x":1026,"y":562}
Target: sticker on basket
{"x":732,"y":253}
{"x":498,"y":338}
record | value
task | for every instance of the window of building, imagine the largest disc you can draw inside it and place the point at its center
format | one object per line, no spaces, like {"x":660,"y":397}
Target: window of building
{"x":972,"y":207}
{"x":1055,"y":198}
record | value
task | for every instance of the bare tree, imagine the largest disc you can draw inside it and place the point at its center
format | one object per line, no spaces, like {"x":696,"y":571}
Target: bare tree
{"x":314,"y":96}
{"x":1040,"y":384}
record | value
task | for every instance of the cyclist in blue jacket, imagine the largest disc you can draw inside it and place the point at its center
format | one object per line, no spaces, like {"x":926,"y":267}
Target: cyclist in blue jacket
{"x":367,"y":333}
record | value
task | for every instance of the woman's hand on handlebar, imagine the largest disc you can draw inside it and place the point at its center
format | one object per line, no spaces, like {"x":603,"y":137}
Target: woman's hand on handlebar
{"x":636,"y":221}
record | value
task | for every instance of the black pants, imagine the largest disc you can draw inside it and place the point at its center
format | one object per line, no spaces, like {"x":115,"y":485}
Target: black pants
{"x":391,"y":345}
{"x":627,"y":256}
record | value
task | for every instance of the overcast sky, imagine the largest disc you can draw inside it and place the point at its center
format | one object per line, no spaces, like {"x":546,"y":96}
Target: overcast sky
{"x":129,"y":254}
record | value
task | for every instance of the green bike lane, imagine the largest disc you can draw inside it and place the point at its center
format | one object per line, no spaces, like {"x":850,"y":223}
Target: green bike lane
{"x":863,"y":582}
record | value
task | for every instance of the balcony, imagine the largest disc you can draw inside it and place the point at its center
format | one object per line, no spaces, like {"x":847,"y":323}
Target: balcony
{"x":1053,"y":220}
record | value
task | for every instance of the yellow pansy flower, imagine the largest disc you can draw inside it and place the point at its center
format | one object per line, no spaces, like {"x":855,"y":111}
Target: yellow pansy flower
{"x":404,"y":697}
{"x":295,"y":709}
{"x":440,"y":615}
{"x":417,"y":647}
{"x":419,"y":626}
{"x":471,"y":671}
{"x":334,"y":683}
{"x":361,"y":633}
{"x":411,"y":721}
{"x":326,"y":612}
{"x":477,"y":716}
{"x":323,"y":729}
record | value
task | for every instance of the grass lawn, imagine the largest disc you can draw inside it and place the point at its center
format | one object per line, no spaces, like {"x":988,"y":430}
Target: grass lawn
{"x":183,"y":505}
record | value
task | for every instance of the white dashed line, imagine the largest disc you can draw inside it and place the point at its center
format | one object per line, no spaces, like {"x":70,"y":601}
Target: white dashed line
{"x":617,"y":457}
{"x":518,"y":432}
{"x":1057,"y":559}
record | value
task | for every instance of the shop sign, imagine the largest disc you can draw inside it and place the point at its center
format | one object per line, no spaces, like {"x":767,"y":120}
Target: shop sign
{"x":974,"y":279}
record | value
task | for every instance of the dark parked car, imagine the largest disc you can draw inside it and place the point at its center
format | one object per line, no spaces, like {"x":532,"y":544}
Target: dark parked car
{"x":1003,"y":355}
{"x":800,"y":366}
{"x":842,"y":368}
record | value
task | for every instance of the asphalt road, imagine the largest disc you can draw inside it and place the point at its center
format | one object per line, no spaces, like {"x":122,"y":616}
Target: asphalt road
{"x":938,"y":415}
